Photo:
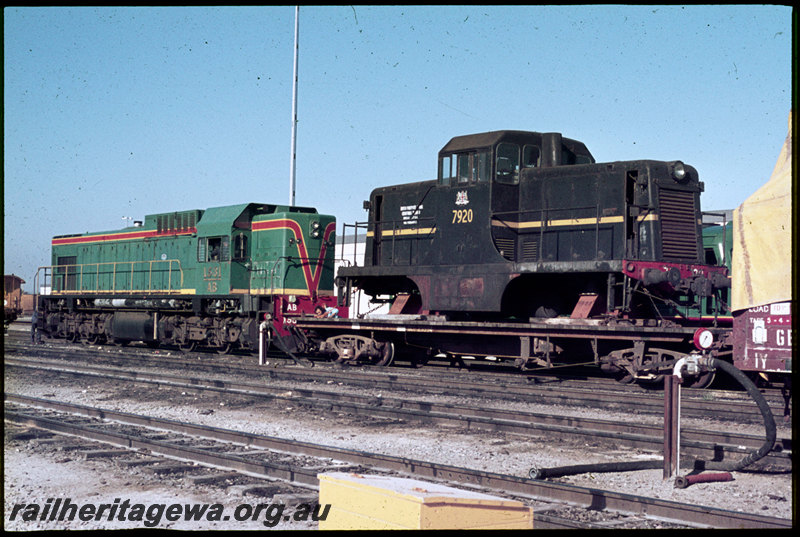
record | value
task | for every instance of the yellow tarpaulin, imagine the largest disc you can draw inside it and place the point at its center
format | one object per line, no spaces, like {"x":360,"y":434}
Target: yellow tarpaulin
{"x":762,"y":239}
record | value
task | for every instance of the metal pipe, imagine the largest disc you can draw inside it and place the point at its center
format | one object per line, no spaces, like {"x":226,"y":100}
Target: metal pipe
{"x":681,"y":482}
{"x":672,"y":396}
{"x":607,"y":467}
{"x":262,"y":329}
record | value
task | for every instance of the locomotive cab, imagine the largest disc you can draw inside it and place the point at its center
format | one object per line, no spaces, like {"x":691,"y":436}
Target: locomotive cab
{"x":500,"y":156}
{"x":500,"y":159}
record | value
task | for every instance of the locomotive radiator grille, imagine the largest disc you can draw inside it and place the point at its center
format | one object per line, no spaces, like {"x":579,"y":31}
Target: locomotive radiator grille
{"x":678,"y":225}
{"x":530,"y":249}
{"x":506,"y":247}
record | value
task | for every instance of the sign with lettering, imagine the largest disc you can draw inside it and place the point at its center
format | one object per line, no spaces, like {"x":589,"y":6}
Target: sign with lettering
{"x":763,"y":338}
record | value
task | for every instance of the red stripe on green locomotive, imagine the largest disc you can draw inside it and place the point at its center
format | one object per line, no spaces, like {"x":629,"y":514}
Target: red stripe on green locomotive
{"x":293,"y":254}
{"x":151,"y":257}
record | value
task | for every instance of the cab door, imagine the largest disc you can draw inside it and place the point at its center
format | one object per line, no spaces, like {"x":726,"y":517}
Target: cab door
{"x":505,"y":199}
{"x":466,"y":204}
{"x":240,"y":260}
{"x":214,"y":256}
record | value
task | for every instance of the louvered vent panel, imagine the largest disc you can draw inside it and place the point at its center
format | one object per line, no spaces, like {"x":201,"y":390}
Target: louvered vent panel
{"x":506,"y":247}
{"x":678,"y":225}
{"x":530,"y":249}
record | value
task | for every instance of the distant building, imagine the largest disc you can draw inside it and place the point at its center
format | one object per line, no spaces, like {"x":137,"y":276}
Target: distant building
{"x":27,"y":304}
{"x":720,"y":217}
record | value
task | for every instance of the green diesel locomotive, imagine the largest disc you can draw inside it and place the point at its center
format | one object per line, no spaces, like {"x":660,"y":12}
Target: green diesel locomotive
{"x":207,"y":278}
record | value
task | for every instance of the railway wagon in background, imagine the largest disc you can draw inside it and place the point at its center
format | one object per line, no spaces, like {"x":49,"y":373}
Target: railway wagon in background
{"x":718,"y":247}
{"x":12,"y":298}
{"x":191,"y":278}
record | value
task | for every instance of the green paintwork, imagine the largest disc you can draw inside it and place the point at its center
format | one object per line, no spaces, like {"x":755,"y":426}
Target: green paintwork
{"x":247,"y":248}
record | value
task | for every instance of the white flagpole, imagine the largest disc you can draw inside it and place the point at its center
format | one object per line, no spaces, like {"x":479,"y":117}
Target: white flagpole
{"x":292,"y":171}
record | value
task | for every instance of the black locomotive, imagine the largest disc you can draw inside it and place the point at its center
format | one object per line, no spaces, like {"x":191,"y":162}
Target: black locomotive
{"x":526,"y":224}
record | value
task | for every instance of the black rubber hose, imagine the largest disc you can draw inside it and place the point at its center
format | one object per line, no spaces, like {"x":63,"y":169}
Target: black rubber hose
{"x":698,"y":464}
{"x":283,"y":343}
{"x":766,"y":413}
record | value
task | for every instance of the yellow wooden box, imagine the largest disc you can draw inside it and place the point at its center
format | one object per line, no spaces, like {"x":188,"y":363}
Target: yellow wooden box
{"x":383,"y":502}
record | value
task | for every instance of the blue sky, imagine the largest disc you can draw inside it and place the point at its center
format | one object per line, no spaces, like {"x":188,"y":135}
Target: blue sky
{"x":123,"y":112}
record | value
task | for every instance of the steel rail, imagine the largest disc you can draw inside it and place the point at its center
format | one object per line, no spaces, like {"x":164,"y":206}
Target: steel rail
{"x":225,"y":461}
{"x":594,"y":499}
{"x":696,"y":442}
{"x":733,"y":410}
{"x":228,"y":461}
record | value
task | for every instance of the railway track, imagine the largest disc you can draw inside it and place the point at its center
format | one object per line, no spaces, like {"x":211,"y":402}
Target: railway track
{"x":298,"y":463}
{"x":701,"y":443}
{"x":600,"y":394}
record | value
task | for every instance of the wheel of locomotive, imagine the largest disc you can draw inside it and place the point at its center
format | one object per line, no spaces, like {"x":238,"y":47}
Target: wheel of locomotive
{"x":120,"y":342}
{"x":616,"y":364}
{"x":73,"y":337}
{"x":699,"y":382}
{"x":414,"y":356}
{"x":655,"y":380}
{"x":387,"y":355}
{"x":93,"y":339}
{"x":188,"y":346}
{"x":225,"y":349}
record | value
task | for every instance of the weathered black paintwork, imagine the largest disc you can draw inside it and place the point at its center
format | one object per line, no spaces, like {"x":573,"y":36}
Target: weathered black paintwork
{"x":510,"y":245}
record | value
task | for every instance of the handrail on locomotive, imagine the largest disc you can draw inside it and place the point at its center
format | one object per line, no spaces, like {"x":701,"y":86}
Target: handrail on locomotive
{"x":62,"y":274}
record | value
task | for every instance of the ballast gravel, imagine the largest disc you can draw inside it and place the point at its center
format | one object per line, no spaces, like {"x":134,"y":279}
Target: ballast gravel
{"x":31,"y":476}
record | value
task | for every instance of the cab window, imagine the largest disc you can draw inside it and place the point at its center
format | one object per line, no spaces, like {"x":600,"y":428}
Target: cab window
{"x":507,"y":164}
{"x":464,"y":168}
{"x":213,"y":249}
{"x":530,"y":156}
{"x":446,"y":169}
{"x":482,"y":167}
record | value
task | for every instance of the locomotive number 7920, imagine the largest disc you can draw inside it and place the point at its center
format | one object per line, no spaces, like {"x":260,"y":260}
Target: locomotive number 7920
{"x":462,"y":216}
